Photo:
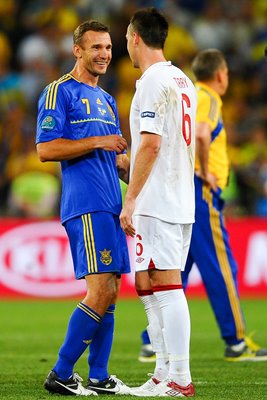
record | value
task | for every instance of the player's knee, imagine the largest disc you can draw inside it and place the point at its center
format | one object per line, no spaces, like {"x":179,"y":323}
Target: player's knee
{"x":106,"y":293}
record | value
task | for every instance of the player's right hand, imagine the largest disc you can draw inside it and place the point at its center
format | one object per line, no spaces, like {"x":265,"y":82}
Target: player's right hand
{"x":113,"y":143}
{"x":210,"y":180}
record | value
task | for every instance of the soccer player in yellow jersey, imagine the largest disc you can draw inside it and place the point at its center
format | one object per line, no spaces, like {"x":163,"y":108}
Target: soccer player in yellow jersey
{"x":210,"y":248}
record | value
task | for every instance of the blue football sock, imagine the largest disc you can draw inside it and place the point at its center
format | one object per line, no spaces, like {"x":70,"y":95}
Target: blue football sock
{"x":83,"y":324}
{"x":101,"y":346}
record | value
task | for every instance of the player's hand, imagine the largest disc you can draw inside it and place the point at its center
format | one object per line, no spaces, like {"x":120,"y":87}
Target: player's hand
{"x":123,"y":167}
{"x":126,"y":218}
{"x":210,"y":180}
{"x":113,"y":143}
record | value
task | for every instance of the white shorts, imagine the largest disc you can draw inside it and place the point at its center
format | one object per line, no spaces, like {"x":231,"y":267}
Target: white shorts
{"x":159,"y":244}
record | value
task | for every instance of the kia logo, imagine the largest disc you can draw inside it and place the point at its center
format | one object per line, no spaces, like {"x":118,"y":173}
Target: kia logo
{"x":35,"y":259}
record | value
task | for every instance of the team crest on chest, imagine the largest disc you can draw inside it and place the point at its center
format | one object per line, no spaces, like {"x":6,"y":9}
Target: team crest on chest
{"x":105,"y":257}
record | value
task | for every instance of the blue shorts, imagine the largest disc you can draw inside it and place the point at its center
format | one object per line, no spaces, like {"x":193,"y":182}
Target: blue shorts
{"x":98,"y":244}
{"x":210,"y":249}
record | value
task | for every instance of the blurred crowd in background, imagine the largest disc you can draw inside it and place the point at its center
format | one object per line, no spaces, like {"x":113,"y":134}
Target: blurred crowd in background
{"x":36,"y":48}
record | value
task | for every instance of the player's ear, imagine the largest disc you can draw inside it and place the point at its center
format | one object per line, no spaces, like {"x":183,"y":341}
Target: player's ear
{"x":76,"y":51}
{"x":219,"y":75}
{"x":136,"y":38}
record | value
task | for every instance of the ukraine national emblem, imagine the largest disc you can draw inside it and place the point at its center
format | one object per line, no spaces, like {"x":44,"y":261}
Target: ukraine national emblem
{"x":105,"y":257}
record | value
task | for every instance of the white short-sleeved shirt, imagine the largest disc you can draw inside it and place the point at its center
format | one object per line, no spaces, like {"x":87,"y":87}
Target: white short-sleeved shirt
{"x":165,"y":104}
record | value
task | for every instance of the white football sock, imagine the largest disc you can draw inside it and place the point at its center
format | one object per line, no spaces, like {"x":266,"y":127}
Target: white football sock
{"x":176,"y":322}
{"x":155,"y":334}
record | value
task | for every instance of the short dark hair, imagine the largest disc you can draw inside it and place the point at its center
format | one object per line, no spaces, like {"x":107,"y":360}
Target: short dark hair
{"x":206,"y":63}
{"x":91,"y":25}
{"x":151,"y":25}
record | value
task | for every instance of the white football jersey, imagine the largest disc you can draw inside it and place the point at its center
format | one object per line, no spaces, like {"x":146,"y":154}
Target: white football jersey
{"x":165,"y":104}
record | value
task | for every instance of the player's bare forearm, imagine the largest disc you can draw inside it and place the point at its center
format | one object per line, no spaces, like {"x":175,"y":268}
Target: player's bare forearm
{"x":67,"y":149}
{"x":203,"y":139}
{"x":145,"y":158}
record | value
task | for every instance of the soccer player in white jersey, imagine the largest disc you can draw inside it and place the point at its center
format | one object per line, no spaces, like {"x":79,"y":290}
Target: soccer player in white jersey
{"x":159,"y":204}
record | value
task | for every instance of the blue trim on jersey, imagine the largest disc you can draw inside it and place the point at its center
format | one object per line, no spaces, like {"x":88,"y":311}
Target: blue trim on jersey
{"x":216,"y":131}
{"x":70,"y":109}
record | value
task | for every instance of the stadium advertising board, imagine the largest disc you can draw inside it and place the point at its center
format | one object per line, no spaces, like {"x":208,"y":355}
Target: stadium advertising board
{"x":35,"y":260}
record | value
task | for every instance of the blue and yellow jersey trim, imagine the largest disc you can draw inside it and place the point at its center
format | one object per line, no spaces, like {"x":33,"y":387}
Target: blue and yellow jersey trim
{"x":51,"y":102}
{"x":89,"y":243}
{"x":93,"y":120}
{"x":209,"y":111}
{"x":51,"y":95}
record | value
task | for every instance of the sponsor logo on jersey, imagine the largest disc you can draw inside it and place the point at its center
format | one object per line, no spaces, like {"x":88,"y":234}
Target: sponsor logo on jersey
{"x":148,"y":114}
{"x":105,"y":257}
{"x":48,"y":123}
{"x":98,"y":101}
{"x":139,"y":260}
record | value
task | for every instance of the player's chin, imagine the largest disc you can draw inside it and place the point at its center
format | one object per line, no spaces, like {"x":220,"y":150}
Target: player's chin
{"x":101,"y":69}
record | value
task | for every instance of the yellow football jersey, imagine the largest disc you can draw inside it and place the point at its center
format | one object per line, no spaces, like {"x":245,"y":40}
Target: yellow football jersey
{"x":209,"y":110}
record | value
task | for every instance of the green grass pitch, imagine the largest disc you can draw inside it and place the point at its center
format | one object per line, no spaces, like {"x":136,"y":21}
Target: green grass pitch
{"x":32,"y":331}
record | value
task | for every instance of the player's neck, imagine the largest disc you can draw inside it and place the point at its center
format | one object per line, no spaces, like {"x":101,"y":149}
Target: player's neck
{"x":82,"y":75}
{"x":214,"y":85}
{"x":151,"y":57}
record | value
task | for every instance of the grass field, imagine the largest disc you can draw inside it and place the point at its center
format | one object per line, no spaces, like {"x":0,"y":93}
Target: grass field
{"x":31,"y":333}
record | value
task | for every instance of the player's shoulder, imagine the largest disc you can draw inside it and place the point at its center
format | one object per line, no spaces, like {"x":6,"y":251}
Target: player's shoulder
{"x":57,"y":84}
{"x":56,"y":89}
{"x":205,"y":93}
{"x":62,"y":81}
{"x":153,"y":78}
{"x":106,"y":94}
{"x":108,"y":97}
{"x":208,"y":102}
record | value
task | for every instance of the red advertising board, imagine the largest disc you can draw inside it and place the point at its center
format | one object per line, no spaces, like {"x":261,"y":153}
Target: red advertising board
{"x":248,"y":238}
{"x":35,"y":260}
